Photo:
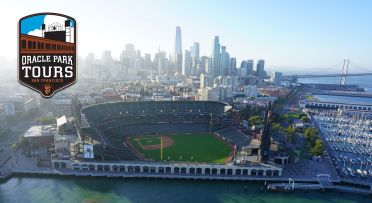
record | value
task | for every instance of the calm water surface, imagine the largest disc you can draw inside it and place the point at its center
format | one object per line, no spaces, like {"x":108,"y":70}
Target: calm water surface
{"x":62,"y":189}
{"x":363,"y":82}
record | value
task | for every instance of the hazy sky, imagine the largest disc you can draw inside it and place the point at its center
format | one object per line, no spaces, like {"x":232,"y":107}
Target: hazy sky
{"x":286,"y":33}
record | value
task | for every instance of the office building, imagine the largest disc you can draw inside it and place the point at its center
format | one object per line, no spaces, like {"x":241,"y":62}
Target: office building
{"x":215,"y":57}
{"x":187,"y":63}
{"x":178,"y":50}
{"x":224,"y":61}
{"x":276,"y":78}
{"x":260,"y":69}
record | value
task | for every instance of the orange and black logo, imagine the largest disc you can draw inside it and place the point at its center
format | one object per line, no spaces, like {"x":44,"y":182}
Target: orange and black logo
{"x":47,"y":52}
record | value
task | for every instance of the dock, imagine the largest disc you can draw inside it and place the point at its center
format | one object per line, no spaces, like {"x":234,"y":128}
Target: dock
{"x":344,"y":93}
{"x":322,"y":184}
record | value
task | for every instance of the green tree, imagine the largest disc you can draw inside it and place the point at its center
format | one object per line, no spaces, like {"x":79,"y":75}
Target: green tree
{"x":276,"y":127}
{"x":46,"y":120}
{"x":15,"y":146}
{"x":290,"y":133}
{"x":310,"y":135}
{"x":304,"y":118}
{"x":318,"y":148}
{"x":255,"y":120}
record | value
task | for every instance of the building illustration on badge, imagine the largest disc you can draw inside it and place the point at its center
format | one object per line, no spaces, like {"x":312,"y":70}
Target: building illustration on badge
{"x":47,"y":52}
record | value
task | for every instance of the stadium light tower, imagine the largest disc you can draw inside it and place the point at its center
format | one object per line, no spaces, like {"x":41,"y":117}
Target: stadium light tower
{"x":210,"y":123}
{"x":161,"y":148}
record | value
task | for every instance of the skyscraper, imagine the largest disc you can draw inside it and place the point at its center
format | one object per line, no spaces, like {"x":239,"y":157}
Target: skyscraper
{"x":195,"y":54}
{"x":161,"y":62}
{"x":224,"y":61}
{"x":260,"y":69}
{"x":276,"y":78}
{"x":215,"y":57}
{"x":187,"y":63}
{"x":232,"y":68}
{"x":107,"y":58}
{"x":178,"y":50}
{"x":148,"y":62}
{"x":250,"y":64}
{"x":128,"y":59}
{"x":204,"y":65}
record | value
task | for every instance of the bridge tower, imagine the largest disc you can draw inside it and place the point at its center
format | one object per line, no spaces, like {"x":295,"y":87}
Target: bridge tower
{"x":343,"y":75}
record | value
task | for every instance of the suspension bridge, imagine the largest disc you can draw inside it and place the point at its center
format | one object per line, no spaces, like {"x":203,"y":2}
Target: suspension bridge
{"x":334,"y":71}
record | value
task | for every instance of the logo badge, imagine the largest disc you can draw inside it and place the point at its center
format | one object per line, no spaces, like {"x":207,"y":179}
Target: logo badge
{"x":47,"y":52}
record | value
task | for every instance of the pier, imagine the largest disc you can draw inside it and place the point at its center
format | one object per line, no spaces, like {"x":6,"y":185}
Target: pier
{"x":335,"y":105}
{"x":322,"y":184}
{"x":325,"y":75}
{"x":344,"y":93}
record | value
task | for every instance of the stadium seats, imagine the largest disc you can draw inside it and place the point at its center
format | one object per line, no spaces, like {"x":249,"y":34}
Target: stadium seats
{"x":234,"y":137}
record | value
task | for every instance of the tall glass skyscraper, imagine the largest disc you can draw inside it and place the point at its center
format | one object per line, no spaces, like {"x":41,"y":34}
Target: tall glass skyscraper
{"x":232,"y":67}
{"x":178,"y":42}
{"x":195,"y":54}
{"x":250,"y":64}
{"x":187,"y":63}
{"x":260,"y":69}
{"x":178,"y":50}
{"x":224,"y":61}
{"x":215,"y":58}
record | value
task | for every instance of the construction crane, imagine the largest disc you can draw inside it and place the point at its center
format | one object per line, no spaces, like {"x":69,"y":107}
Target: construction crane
{"x":343,"y":75}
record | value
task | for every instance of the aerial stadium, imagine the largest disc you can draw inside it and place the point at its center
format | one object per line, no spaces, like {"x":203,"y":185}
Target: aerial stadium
{"x":136,"y":131}
{"x":159,"y":138}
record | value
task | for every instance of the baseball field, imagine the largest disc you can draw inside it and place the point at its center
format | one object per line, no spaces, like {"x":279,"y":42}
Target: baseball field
{"x":204,"y":148}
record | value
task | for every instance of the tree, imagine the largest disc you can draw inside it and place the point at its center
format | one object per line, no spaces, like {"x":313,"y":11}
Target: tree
{"x":255,"y":120}
{"x":276,"y":127}
{"x":15,"y":146}
{"x":318,"y":148}
{"x":304,"y":118}
{"x":290,"y":132}
{"x":279,"y":102}
{"x":310,"y":135}
{"x":46,"y":120}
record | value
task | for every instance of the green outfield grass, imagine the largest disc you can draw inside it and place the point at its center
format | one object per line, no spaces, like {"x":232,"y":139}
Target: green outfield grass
{"x":194,"y":148}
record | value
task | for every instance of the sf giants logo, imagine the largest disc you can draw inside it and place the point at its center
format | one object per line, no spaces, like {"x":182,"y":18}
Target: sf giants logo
{"x":47,"y":52}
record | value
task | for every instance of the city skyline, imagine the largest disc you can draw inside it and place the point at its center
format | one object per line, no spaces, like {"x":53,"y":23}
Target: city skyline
{"x":200,"y":101}
{"x":266,"y":30}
